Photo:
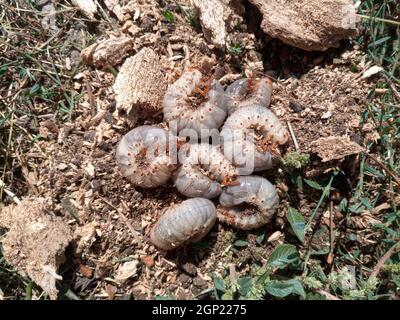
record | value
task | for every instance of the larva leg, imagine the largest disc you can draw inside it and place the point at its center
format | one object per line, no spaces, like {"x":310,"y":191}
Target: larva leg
{"x":204,"y":168}
{"x":251,"y":136}
{"x":194,"y":103}
{"x":247,"y":92}
{"x":146,"y":156}
{"x":183,"y":223}
{"x":248,"y":205}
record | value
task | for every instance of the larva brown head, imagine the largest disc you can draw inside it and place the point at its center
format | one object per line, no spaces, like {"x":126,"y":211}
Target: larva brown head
{"x":252,"y":84}
{"x":230,"y":181}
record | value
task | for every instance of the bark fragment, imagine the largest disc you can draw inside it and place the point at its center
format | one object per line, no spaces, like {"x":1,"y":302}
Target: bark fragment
{"x":108,"y":52}
{"x":140,"y":85}
{"x":334,"y":148}
{"x":211,"y":14}
{"x":308,"y":24}
{"x":88,"y":7}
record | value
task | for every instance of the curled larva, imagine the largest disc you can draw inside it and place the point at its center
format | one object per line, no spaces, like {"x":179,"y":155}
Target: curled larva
{"x":193,"y":103}
{"x":247,"y":92}
{"x":248,"y":205}
{"x":203,"y":172}
{"x":250,"y":138}
{"x":147,"y":156}
{"x":186,"y":222}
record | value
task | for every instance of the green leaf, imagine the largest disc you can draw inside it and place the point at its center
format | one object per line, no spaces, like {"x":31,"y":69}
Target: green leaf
{"x":219,"y":286}
{"x":314,"y":185}
{"x":378,"y":42}
{"x":297,"y":222}
{"x":343,"y":205}
{"x":282,"y":256}
{"x":240,"y":243}
{"x":34,"y":89}
{"x":168,"y":15}
{"x":284,"y":288}
{"x":297,"y":180}
{"x":396,"y":280}
{"x":260,"y":237}
{"x":374,"y":172}
{"x":236,"y":49}
{"x":356,"y":208}
{"x":245,"y":285}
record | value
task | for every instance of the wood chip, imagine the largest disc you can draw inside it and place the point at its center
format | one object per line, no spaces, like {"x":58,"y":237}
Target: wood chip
{"x":108,"y":52}
{"x":211,"y":14}
{"x":308,"y":24}
{"x":88,"y":7}
{"x":140,"y":85}
{"x":334,"y":148}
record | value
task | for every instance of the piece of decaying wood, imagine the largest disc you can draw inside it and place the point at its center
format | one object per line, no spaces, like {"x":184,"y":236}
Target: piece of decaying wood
{"x":308,"y":24}
{"x":35,"y":242}
{"x":140,"y":85}
{"x":88,"y":7}
{"x":211,"y":14}
{"x":108,"y":52}
{"x":334,"y":148}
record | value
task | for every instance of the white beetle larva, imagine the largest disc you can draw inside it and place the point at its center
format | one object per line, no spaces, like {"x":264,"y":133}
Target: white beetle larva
{"x":203,"y":172}
{"x":248,"y":205}
{"x":183,"y":110}
{"x":147,"y":156}
{"x":250,"y":138}
{"x":186,"y":222}
{"x":246,"y":92}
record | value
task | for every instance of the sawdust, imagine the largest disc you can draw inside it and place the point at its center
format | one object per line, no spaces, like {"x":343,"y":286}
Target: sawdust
{"x":35,"y":241}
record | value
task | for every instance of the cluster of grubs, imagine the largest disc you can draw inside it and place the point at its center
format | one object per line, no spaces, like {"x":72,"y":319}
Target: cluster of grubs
{"x":197,"y":109}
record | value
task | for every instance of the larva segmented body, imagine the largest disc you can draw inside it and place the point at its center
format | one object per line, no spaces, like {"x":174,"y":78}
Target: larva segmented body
{"x":247,"y":92}
{"x":145,"y":156}
{"x":182,"y":111}
{"x":204,"y":168}
{"x":248,"y":205}
{"x":250,"y":138}
{"x":186,"y":222}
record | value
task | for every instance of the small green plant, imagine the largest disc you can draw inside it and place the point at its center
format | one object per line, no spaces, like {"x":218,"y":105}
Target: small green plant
{"x":168,"y":15}
{"x":295,"y":160}
{"x":236,"y":49}
{"x":263,"y":281}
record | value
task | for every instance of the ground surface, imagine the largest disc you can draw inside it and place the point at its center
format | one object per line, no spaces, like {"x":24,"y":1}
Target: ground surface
{"x":60,"y":129}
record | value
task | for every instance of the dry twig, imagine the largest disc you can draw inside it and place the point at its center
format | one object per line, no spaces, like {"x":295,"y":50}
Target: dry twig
{"x":296,"y":145}
{"x":395,"y":248}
